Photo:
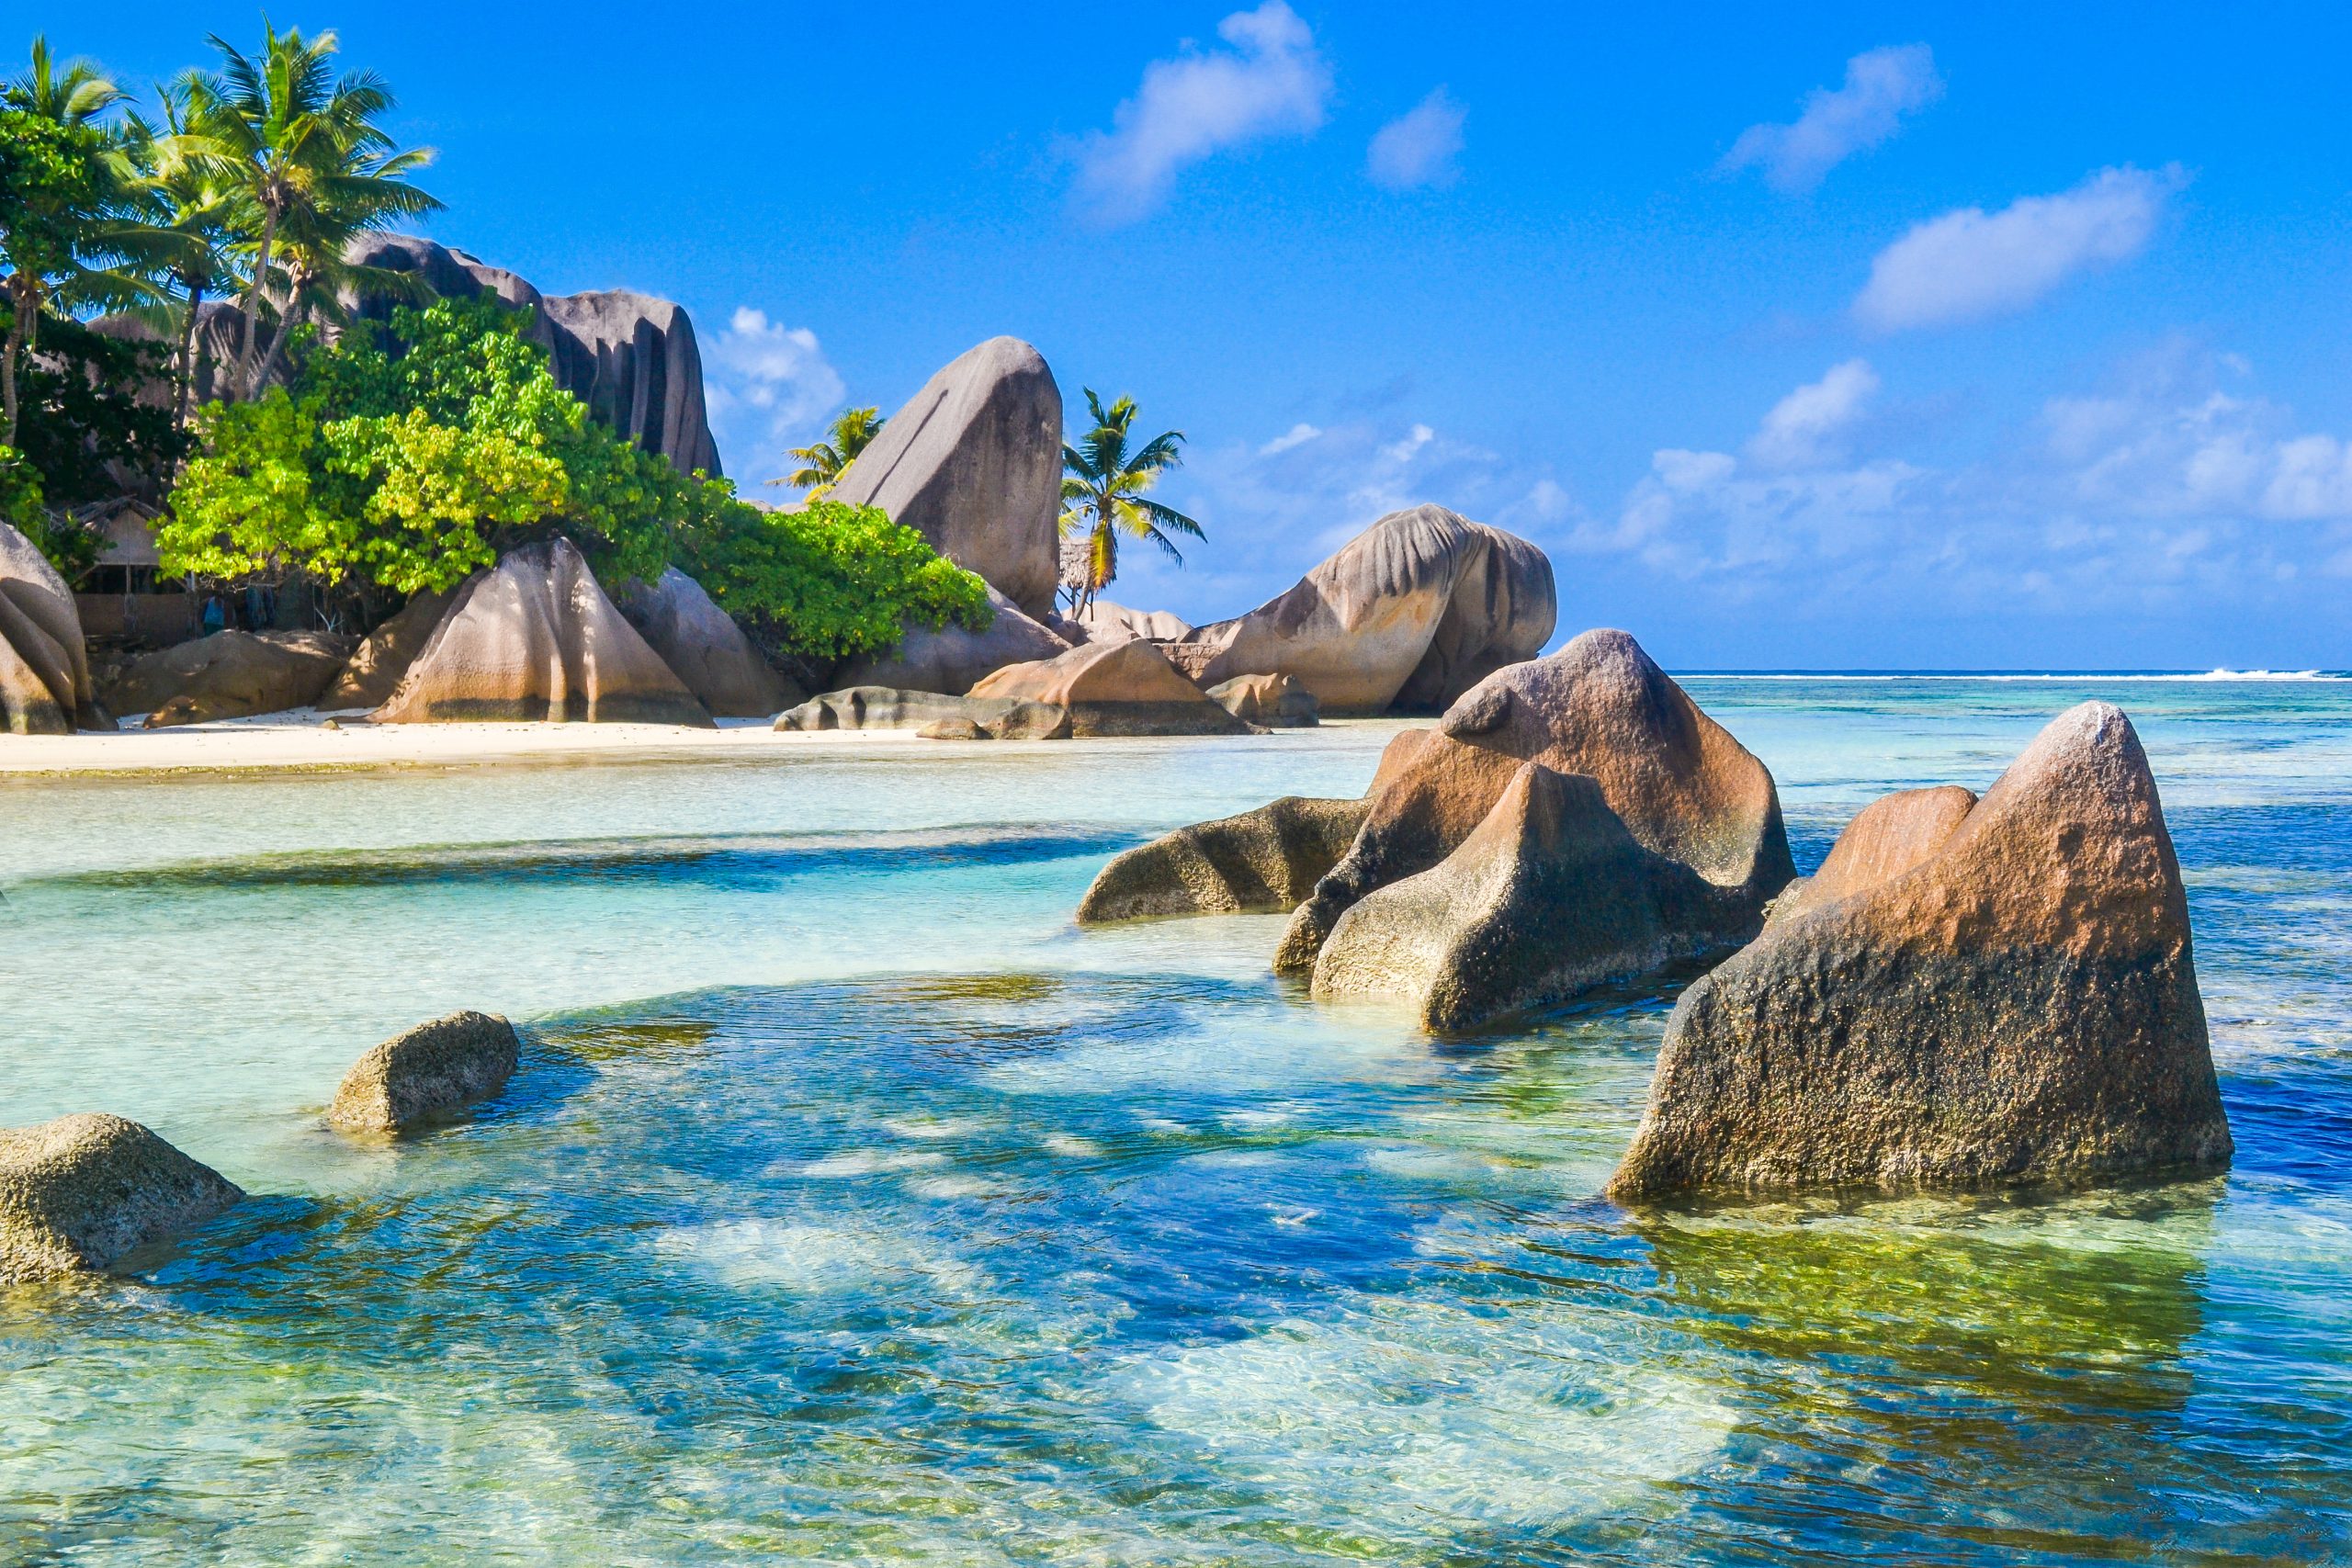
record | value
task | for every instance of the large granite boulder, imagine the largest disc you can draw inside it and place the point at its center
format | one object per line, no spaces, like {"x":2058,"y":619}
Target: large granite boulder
{"x":79,"y":1192}
{"x":1123,"y":688}
{"x":1275,"y":702}
{"x":1885,"y":839}
{"x":427,"y":1074}
{"x":534,"y":638}
{"x":704,"y":647}
{"x":2015,"y":1003}
{"x":44,"y":664}
{"x":889,"y":707}
{"x":974,"y":462}
{"x":1105,"y":622}
{"x":1549,"y":897}
{"x":230,"y":674}
{"x":630,"y":358}
{"x":1410,"y":614}
{"x":1262,"y":862}
{"x":373,"y":672}
{"x":1682,"y":786}
{"x":953,"y":659}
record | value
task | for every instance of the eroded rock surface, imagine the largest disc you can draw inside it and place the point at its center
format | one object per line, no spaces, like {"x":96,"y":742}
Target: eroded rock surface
{"x":1275,"y":702}
{"x":889,"y":707}
{"x":427,"y":1074}
{"x":953,"y":659}
{"x":1104,"y":622}
{"x":44,"y":663}
{"x":79,"y":1192}
{"x":230,"y":674}
{"x":2018,"y":1003}
{"x":704,"y":647}
{"x":1125,"y":688}
{"x":1262,"y":862}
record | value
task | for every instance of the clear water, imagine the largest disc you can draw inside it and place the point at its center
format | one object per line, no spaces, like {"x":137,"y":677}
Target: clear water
{"x":855,"y":1207}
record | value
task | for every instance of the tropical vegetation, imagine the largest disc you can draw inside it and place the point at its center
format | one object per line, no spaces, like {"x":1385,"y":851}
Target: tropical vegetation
{"x":822,"y":465}
{"x":1104,"y":478}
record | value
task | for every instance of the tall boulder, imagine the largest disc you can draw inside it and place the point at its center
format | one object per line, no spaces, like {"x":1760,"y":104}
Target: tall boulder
{"x":373,"y":672}
{"x":78,"y":1192}
{"x":953,"y":659}
{"x":534,"y":638}
{"x":1122,"y":688}
{"x":44,"y":664}
{"x":704,"y":647}
{"x":1410,"y":614}
{"x":974,"y":462}
{"x":231,"y":674}
{"x":1681,"y":785}
{"x":2015,"y":1002}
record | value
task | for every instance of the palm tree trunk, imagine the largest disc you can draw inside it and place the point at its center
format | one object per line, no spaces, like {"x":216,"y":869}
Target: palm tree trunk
{"x":187,"y":357}
{"x":251,"y":304}
{"x":24,"y":314}
{"x":288,"y":321}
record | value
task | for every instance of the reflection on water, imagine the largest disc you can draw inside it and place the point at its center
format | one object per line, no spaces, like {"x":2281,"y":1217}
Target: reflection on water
{"x":853,"y":1206}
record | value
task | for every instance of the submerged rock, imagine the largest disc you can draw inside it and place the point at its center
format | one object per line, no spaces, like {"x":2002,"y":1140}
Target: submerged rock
{"x":230,"y":674}
{"x":535,"y":638}
{"x":974,"y":462}
{"x":373,"y":672}
{"x":78,"y":1192}
{"x":953,"y":659}
{"x":1277,"y":701}
{"x":704,"y":647}
{"x":425,"y":1074}
{"x":1123,"y":688}
{"x":2014,"y":1002}
{"x":1260,"y":861}
{"x":1410,"y":614}
{"x":887,"y":707}
{"x":44,"y":664}
{"x":1682,"y":786}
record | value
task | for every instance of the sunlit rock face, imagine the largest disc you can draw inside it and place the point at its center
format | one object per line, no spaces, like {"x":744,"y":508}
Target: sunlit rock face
{"x":1260,"y":861}
{"x":427,"y":1074}
{"x":78,"y":1192}
{"x":44,"y":664}
{"x":230,"y":674}
{"x":1122,"y":688}
{"x":2001,"y":994}
{"x":1409,"y":614}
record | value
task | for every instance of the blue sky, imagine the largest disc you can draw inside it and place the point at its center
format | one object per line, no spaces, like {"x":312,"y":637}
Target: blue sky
{"x":1967,"y":336}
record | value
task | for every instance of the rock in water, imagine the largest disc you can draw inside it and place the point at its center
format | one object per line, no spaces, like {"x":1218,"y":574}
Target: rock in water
{"x":535,"y":638}
{"x":1411,"y":612}
{"x":425,"y":1074}
{"x":1887,"y":838}
{"x":703,"y":647}
{"x":1277,"y":701}
{"x":1548,"y":897}
{"x":2017,"y":1003}
{"x":974,"y":462}
{"x":1683,"y":787}
{"x":1262,"y":861}
{"x":230,"y":674}
{"x":44,"y":664}
{"x":384,"y":655}
{"x":78,"y":1192}
{"x":953,"y":659}
{"x":1121,"y":688}
{"x":887,"y":707}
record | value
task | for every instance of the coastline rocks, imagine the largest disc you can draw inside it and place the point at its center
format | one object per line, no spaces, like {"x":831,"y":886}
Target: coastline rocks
{"x":974,"y":462}
{"x":535,"y":638}
{"x":1410,"y":614}
{"x":952,"y":658}
{"x":2017,"y":1003}
{"x":1684,"y":788}
{"x":1105,"y":622}
{"x":1548,"y":897}
{"x":426,"y":1073}
{"x":78,"y":1192}
{"x":383,"y":656}
{"x":44,"y":663}
{"x":1277,"y":701}
{"x":1260,"y":862}
{"x":704,"y":647}
{"x":1885,"y":839}
{"x":231,"y":674}
{"x":1122,"y":688}
{"x":889,"y":707}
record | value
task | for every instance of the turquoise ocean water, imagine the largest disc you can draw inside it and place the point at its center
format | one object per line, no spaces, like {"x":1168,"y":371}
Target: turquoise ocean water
{"x":853,"y":1206}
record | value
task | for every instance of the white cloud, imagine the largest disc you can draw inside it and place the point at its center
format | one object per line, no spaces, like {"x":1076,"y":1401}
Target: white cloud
{"x":1802,"y":428}
{"x":1272,"y":82}
{"x":1418,"y":146}
{"x":1298,"y":434}
{"x":767,"y":386}
{"x":1970,"y":264}
{"x":1880,"y":87}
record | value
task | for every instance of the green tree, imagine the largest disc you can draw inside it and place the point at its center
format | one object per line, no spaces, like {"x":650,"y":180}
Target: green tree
{"x":822,"y":465}
{"x":1102,"y":494}
{"x":180,"y":188}
{"x":57,"y":188}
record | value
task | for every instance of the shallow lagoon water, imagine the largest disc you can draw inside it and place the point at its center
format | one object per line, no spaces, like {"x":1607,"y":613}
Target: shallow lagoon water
{"x":854,"y":1206}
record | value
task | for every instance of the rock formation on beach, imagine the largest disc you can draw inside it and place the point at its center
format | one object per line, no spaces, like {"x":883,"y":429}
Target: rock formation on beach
{"x":535,"y":638}
{"x":1276,"y":702}
{"x":1682,"y":786}
{"x":373,"y":672}
{"x":79,"y":1192}
{"x":974,"y":462}
{"x":887,"y":707}
{"x":425,"y":1074}
{"x":1262,"y":862}
{"x":1409,"y":614}
{"x":44,"y":663}
{"x":2002,"y":994}
{"x":1103,"y":621}
{"x":1122,"y":688}
{"x":953,"y":659}
{"x":704,"y":647}
{"x":231,"y":674}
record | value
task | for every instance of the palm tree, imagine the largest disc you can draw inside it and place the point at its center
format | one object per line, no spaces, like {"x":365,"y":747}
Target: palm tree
{"x":180,"y":190}
{"x":75,"y":99}
{"x":305,"y":151}
{"x":821,"y":465}
{"x":1103,"y":497}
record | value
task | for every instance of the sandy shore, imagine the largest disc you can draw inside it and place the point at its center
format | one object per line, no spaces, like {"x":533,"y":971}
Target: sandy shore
{"x":301,"y":739}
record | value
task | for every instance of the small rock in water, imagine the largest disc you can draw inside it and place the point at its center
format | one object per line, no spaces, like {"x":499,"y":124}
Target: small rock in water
{"x":78,"y":1192}
{"x":425,"y":1074}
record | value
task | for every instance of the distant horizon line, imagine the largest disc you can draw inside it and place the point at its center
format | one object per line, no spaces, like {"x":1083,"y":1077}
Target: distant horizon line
{"x":1865,"y":673}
